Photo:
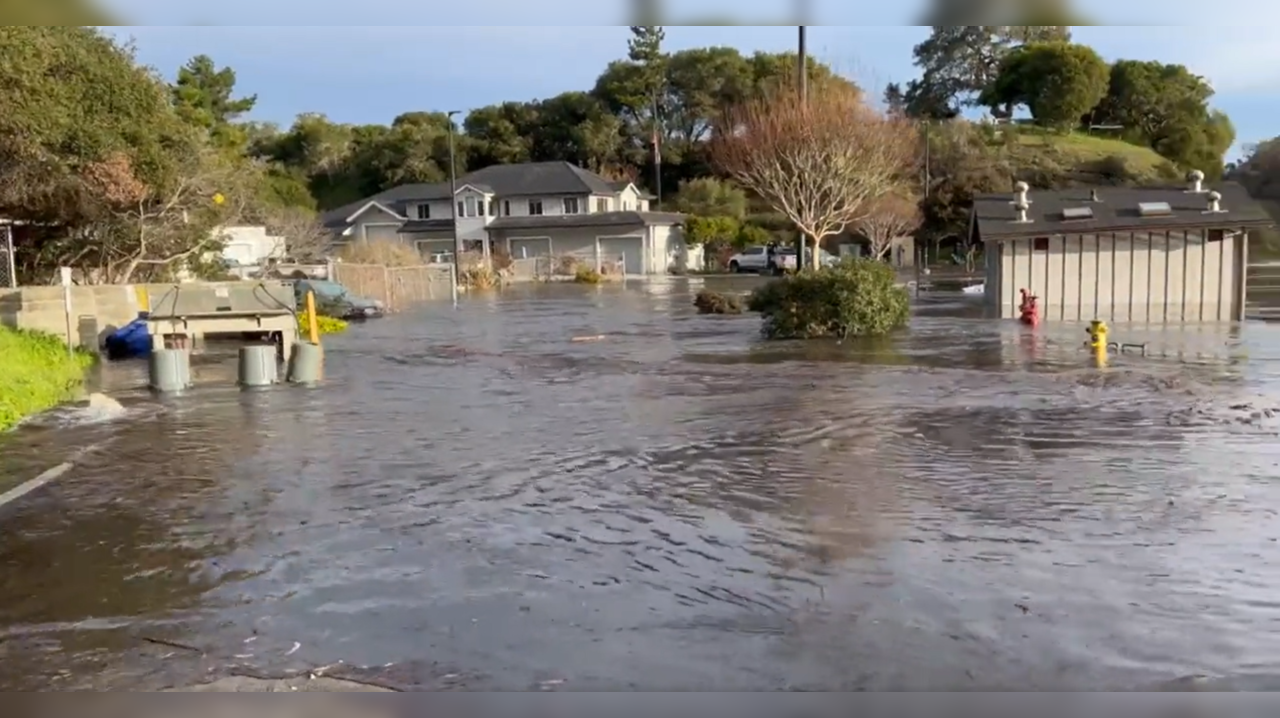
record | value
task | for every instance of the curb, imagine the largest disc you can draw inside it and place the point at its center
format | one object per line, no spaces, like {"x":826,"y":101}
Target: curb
{"x":47,"y":477}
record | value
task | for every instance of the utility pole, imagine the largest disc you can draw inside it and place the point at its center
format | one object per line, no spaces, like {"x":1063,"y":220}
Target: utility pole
{"x":453,"y":209}
{"x":802,"y":83}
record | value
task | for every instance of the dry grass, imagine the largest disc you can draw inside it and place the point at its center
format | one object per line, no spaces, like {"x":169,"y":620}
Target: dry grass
{"x":387,"y":254}
{"x":1032,"y":148}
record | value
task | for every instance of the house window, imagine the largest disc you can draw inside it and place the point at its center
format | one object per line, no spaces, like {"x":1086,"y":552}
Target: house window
{"x":471,"y":206}
{"x":506,"y":208}
{"x":424,"y":211}
{"x":461,"y":209}
{"x":602,"y":204}
{"x":535,"y":207}
{"x":570,"y":205}
{"x":626,"y":206}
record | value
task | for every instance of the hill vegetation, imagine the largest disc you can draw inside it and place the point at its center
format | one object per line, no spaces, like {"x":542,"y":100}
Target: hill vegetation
{"x":129,"y":189}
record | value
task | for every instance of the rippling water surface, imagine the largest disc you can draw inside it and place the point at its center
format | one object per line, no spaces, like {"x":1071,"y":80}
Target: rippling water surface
{"x":474,"y":500}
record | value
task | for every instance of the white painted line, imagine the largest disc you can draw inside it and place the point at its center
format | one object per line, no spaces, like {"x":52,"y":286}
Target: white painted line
{"x":37,"y":482}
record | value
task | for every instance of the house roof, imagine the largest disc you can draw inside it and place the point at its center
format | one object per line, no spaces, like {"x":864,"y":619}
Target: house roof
{"x":1115,"y":210}
{"x":599,"y":219}
{"x":427,"y":225}
{"x":531,"y":179}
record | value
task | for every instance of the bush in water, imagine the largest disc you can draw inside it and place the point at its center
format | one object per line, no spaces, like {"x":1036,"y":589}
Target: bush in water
{"x":859,"y":297}
{"x":328,"y":325}
{"x":36,"y":374}
{"x":709,"y":302}
{"x":587,"y":275}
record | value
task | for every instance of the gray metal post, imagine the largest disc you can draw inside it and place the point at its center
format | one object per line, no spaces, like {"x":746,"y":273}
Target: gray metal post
{"x":453,"y":209}
{"x":169,"y":370}
{"x":258,"y":366}
{"x":306,"y":366}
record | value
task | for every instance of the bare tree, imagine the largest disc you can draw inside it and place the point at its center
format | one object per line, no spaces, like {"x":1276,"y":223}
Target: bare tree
{"x":818,"y":162}
{"x":305,"y":237}
{"x":888,"y":217}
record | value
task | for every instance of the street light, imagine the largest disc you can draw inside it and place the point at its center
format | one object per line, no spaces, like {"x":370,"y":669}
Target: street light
{"x":453,"y":209}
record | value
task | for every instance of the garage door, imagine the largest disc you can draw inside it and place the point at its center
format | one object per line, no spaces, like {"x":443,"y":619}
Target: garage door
{"x":630,"y":248}
{"x":529,"y":248}
{"x":382,"y":232}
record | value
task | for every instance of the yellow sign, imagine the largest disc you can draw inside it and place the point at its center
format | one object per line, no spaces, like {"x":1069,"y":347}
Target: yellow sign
{"x":219,"y":199}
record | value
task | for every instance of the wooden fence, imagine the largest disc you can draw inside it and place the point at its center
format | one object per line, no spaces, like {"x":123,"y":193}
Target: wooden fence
{"x":398,"y":288}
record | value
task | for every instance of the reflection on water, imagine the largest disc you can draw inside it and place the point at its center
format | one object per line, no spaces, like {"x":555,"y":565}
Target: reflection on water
{"x":481,"y":502}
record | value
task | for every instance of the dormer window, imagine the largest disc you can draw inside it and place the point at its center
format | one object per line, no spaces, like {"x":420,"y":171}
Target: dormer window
{"x":571,"y":205}
{"x":424,"y":211}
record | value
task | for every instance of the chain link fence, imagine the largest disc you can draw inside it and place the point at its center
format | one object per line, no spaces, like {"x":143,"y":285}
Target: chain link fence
{"x":8,"y":273}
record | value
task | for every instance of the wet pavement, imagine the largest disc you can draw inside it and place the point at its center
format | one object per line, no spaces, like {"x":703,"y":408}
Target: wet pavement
{"x":475,"y":501}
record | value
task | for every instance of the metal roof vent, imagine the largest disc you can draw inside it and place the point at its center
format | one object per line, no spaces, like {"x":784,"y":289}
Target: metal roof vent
{"x":1215,"y":203}
{"x":1077,"y":213}
{"x":1154,"y":209}
{"x":1197,"y":181}
{"x":1093,"y":196}
{"x":1020,"y":190}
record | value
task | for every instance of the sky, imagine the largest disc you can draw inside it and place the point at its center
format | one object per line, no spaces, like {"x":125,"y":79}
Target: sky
{"x":370,"y":74}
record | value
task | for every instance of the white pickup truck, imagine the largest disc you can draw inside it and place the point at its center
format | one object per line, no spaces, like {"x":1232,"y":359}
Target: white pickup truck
{"x":757,"y":259}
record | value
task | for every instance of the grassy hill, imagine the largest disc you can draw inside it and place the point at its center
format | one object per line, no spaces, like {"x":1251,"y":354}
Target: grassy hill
{"x":1056,"y":160}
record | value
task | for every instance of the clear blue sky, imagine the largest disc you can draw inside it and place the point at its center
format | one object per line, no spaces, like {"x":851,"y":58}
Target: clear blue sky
{"x":371,"y":74}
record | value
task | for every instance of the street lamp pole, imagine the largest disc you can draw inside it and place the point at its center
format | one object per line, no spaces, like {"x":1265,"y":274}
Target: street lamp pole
{"x":453,"y":210}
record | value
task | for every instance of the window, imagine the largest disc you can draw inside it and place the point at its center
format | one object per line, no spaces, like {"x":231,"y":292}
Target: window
{"x":602,"y":204}
{"x":471,"y":206}
{"x":570,"y":205}
{"x":535,"y":207}
{"x":424,"y":211}
{"x":461,"y":211}
{"x":506,"y":208}
{"x":753,"y":250}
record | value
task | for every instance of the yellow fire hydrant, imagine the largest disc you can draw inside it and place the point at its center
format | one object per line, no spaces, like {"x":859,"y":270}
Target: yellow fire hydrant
{"x":1098,"y":340}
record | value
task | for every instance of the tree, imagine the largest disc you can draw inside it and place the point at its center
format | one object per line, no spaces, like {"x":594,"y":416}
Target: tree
{"x":305,"y":238}
{"x":1059,"y":82}
{"x":819,"y":163}
{"x":711,"y":232}
{"x":895,"y":100}
{"x":958,"y":62}
{"x":711,"y":197}
{"x":889,"y":217}
{"x":202,"y":95}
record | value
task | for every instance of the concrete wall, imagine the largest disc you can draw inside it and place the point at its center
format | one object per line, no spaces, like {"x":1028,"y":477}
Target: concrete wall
{"x":1172,"y":278}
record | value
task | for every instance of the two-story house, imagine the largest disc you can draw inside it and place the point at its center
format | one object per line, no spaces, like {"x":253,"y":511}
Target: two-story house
{"x":528,"y":210}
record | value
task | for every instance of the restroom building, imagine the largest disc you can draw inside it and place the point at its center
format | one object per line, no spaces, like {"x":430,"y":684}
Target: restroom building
{"x":1172,"y":255}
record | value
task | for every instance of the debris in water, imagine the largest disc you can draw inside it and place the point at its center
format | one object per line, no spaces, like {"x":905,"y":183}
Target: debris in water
{"x":295,"y":648}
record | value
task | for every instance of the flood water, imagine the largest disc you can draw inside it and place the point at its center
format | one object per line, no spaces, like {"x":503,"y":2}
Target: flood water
{"x":473,"y":500}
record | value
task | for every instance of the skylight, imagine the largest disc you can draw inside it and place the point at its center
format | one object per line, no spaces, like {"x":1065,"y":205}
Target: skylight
{"x":1154,"y":209}
{"x":1077,"y":213}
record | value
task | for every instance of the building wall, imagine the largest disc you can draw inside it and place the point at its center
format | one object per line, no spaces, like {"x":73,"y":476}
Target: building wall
{"x":1174,"y":277}
{"x":374,"y":225}
{"x":251,"y":245}
{"x":634,"y":242}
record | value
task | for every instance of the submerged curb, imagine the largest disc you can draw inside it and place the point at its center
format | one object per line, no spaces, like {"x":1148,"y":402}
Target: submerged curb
{"x":47,"y":477}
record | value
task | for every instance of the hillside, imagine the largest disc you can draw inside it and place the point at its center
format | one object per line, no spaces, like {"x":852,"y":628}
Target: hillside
{"x":1084,"y":159}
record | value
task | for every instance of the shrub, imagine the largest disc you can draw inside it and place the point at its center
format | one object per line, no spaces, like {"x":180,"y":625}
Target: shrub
{"x":36,"y":374}
{"x":328,"y":325}
{"x":859,"y":297}
{"x":479,"y":276}
{"x":390,"y":254}
{"x":587,"y":275}
{"x":709,"y":302}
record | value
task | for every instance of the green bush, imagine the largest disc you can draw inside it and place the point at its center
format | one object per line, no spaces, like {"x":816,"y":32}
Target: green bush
{"x":36,"y":374}
{"x":587,"y":275}
{"x":859,"y":297}
{"x":709,"y":302}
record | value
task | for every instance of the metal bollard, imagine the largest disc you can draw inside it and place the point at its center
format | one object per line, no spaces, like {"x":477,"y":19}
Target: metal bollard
{"x":169,"y":370}
{"x":258,"y":365}
{"x":306,"y":366}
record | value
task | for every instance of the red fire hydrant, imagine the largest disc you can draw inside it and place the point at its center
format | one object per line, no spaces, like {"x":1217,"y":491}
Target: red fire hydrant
{"x":1029,"y":310}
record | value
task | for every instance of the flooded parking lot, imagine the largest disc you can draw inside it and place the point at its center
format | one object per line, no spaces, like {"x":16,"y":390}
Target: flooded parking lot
{"x":475,"y":501}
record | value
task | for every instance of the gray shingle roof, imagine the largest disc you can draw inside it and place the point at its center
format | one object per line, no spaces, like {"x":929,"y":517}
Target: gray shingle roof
{"x":427,"y":225}
{"x":599,"y":219}
{"x":523,"y":180}
{"x":1116,"y":211}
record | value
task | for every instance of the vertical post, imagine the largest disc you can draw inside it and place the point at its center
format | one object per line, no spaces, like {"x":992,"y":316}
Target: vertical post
{"x":65,"y":273}
{"x":11,"y":265}
{"x":802,"y":84}
{"x":313,"y":322}
{"x":453,"y":210}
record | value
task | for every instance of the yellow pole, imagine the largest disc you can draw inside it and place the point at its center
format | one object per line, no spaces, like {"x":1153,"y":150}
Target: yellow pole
{"x":312,"y":320}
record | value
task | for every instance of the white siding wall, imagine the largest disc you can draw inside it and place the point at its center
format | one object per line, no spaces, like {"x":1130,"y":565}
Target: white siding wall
{"x":1121,"y":278}
{"x":251,"y":245}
